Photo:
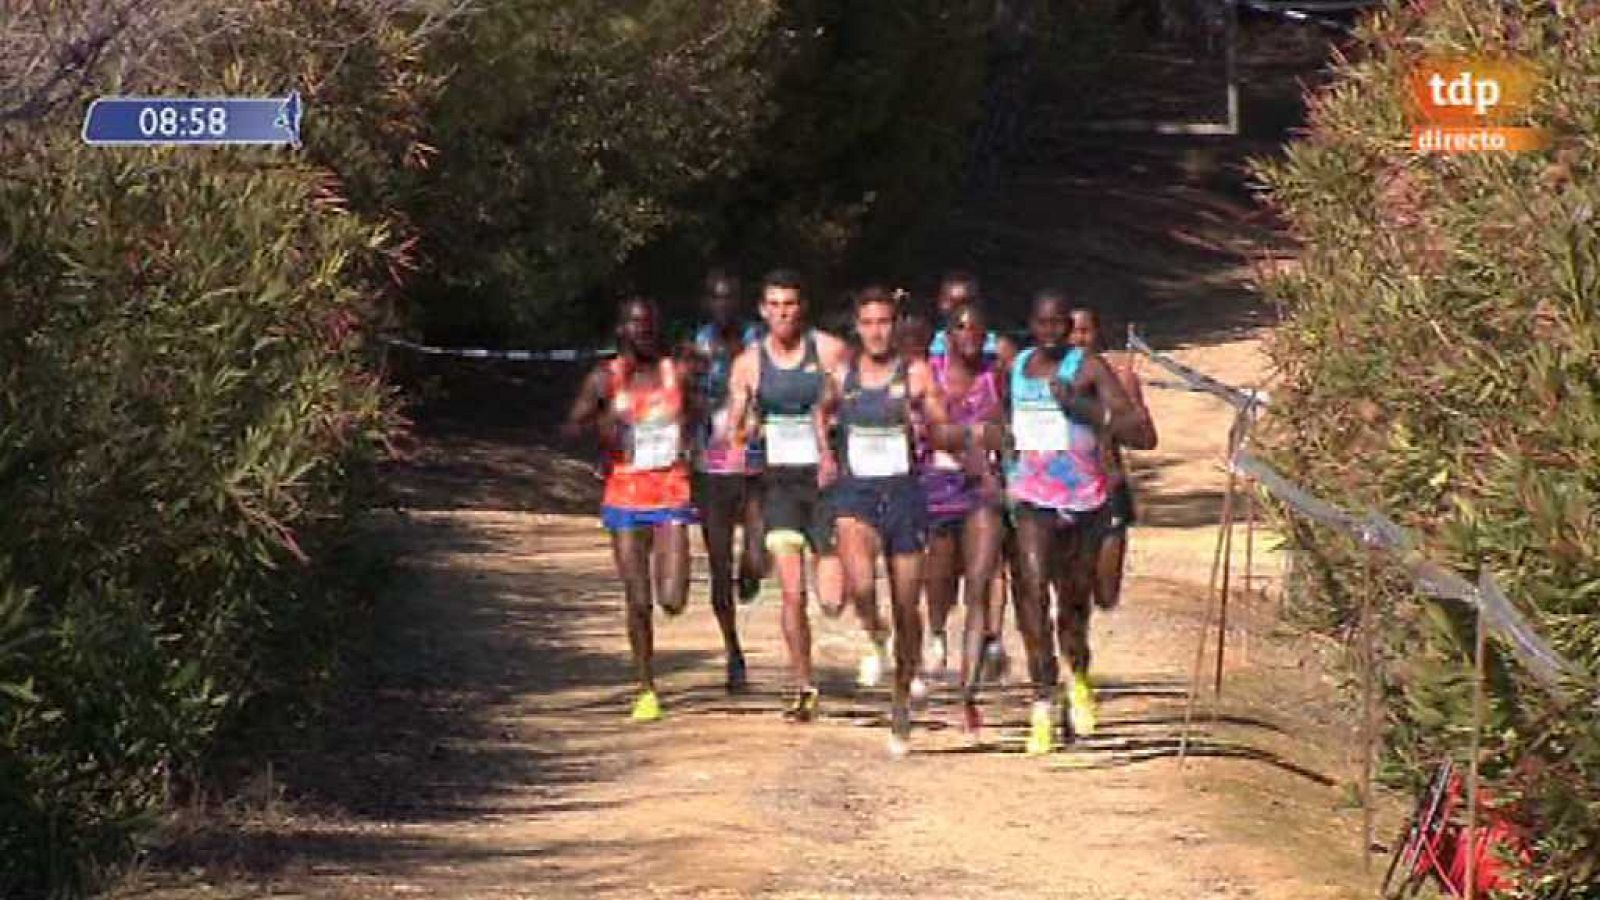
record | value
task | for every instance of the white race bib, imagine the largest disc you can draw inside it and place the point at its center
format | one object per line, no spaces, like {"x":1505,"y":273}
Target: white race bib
{"x":791,"y":441}
{"x":1040,"y":430}
{"x":655,"y":445}
{"x":944,"y":462}
{"x":878,"y":452}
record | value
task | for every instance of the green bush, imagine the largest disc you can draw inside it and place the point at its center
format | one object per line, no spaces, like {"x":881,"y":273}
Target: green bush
{"x":186,"y":408}
{"x":586,"y":146}
{"x":1441,"y":363}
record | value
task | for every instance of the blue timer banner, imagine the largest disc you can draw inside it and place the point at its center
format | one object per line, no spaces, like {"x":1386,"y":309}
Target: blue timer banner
{"x":167,"y":120}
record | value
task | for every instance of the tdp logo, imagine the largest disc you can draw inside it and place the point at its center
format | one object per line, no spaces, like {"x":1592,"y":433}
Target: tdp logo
{"x":1471,"y":105}
{"x":1466,"y":89}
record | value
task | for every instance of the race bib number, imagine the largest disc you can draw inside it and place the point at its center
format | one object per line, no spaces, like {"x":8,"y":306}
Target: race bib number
{"x":655,"y":445}
{"x":944,"y":462}
{"x":791,"y":441}
{"x":878,"y":452}
{"x":1040,"y":430}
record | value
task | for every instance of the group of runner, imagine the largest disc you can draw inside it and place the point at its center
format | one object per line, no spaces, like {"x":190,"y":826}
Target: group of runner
{"x":934,"y":444}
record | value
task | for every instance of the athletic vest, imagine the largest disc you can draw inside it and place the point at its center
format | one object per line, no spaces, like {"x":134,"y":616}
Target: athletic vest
{"x":785,"y":399}
{"x":941,"y":345}
{"x":714,"y":447}
{"x":875,"y":423}
{"x":647,"y":469}
{"x":1056,"y":461}
{"x":978,"y":404}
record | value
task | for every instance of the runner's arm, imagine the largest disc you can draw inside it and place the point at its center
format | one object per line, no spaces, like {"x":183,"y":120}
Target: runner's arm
{"x":693,"y":404}
{"x":942,"y":433}
{"x":1006,"y":351}
{"x":742,"y":379}
{"x":821,"y":420}
{"x":1142,"y":435}
{"x":588,"y":407}
{"x":832,"y":353}
{"x":1106,"y":406}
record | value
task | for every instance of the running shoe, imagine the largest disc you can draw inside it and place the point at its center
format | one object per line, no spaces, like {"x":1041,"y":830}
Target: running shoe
{"x":803,"y":708}
{"x":749,"y":587}
{"x":647,"y":708}
{"x":900,"y":731}
{"x":1081,"y":706}
{"x":870,"y":672}
{"x":919,"y":688}
{"x":937,"y":656}
{"x":1041,"y":728}
{"x":971,"y":718}
{"x":995,"y":663}
{"x":738,"y":679}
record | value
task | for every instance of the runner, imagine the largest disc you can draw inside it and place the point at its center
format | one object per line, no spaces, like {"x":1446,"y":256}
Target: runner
{"x":959,"y":290}
{"x":1063,"y":404}
{"x":725,"y":479}
{"x":881,"y":507}
{"x":637,"y":405}
{"x":913,"y":331}
{"x":964,"y":495}
{"x":774,"y":387}
{"x":1107,"y":583}
{"x":956,"y":290}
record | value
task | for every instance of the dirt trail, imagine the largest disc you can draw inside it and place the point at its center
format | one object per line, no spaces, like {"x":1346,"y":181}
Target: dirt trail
{"x":484,"y":750}
{"x":487,"y":752}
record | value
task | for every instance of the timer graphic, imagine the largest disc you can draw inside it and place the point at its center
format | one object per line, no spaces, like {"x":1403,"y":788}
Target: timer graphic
{"x":147,"y":121}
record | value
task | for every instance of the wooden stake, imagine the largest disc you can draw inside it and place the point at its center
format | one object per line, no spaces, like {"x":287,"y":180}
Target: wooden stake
{"x":1205,"y":629}
{"x":1249,"y":540}
{"x":1227,"y":568}
{"x":1368,"y":728}
{"x":1472,"y":768}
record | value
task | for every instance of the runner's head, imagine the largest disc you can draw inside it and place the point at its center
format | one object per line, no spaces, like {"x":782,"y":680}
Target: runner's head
{"x":722,"y":297}
{"x":914,"y":331}
{"x":782,"y":306}
{"x":638,"y":327}
{"x":968,"y":334}
{"x":957,"y":289}
{"x":1048,"y":321}
{"x":876,"y":308}
{"x":1084,"y":328}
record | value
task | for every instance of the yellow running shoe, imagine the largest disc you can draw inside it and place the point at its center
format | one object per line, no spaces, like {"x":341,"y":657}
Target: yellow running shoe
{"x":1041,"y":729}
{"x":647,"y":708}
{"x":1081,"y":708}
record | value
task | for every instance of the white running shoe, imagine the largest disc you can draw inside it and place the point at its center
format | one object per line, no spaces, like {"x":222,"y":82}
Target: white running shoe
{"x":936,"y":659}
{"x":870,"y":672}
{"x":919,"y":688}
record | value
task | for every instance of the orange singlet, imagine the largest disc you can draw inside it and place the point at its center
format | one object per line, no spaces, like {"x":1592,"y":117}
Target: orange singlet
{"x":649,"y":470}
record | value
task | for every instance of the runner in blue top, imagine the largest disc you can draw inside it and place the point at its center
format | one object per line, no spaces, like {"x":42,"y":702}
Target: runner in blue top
{"x":1065,"y":405}
{"x":726,"y":472}
{"x":956,"y":290}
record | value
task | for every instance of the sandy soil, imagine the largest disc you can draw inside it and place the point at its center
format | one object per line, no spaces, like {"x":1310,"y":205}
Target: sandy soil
{"x":487,"y":752}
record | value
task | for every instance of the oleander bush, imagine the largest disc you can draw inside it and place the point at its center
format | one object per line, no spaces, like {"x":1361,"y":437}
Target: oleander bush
{"x":187,"y":409}
{"x":1440,"y":354}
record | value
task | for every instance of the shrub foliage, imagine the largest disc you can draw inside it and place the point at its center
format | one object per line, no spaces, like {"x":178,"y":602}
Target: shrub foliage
{"x":185,"y":406}
{"x":1441,"y":363}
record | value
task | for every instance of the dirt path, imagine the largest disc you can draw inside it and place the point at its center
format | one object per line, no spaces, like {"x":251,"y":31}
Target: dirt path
{"x":486,"y":753}
{"x":484,"y":750}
